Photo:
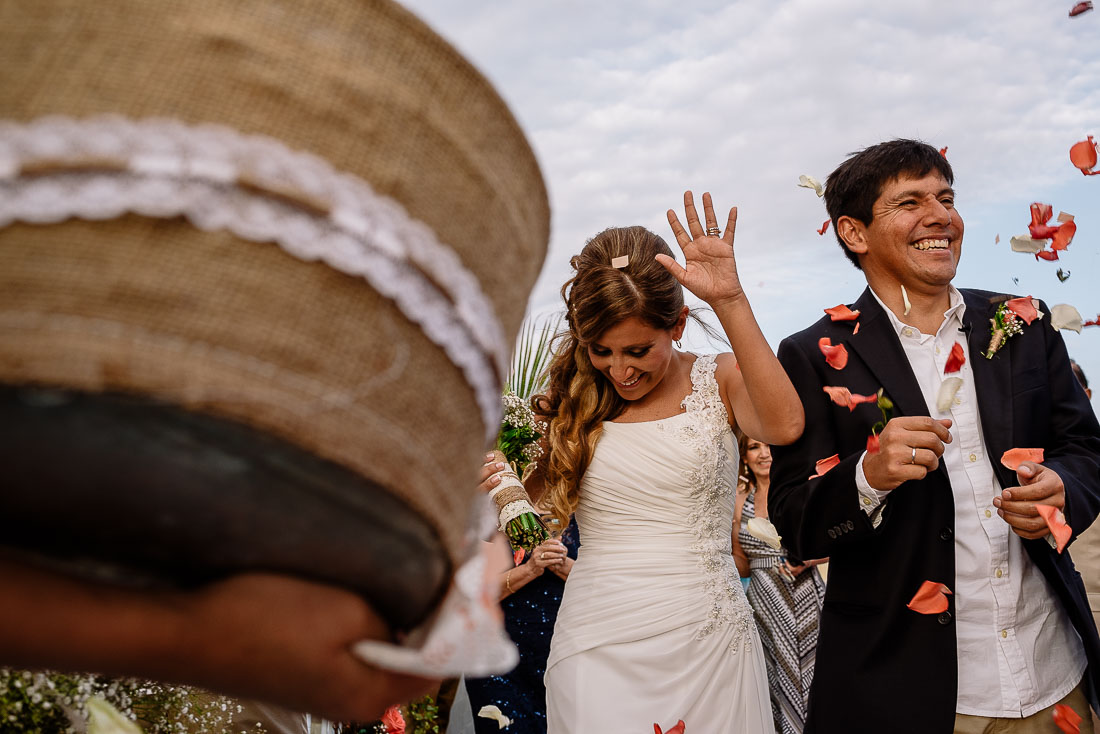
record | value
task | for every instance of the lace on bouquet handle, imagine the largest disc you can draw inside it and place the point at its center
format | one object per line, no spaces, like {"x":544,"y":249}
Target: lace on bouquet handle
{"x":57,"y":168}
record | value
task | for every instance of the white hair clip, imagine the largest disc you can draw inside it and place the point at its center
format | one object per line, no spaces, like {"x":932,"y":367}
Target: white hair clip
{"x":620,"y":262}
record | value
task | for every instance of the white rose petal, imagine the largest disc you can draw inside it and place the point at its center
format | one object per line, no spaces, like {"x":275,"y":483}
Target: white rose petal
{"x":1023,"y":243}
{"x":809,"y":182}
{"x":1063,"y":217}
{"x":492,"y":712}
{"x":948,"y":388}
{"x":905,"y":300}
{"x":762,"y":529}
{"x":1065,"y":316}
{"x":103,"y":718}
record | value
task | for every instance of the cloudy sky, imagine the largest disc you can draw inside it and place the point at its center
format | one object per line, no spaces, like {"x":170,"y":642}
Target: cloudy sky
{"x":629,"y":103}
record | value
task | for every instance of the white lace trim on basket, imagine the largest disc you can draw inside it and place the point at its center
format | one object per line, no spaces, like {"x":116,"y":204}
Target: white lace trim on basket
{"x":57,"y":168}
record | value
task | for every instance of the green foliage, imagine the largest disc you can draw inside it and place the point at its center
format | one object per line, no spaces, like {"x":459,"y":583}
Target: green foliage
{"x":532,"y":357}
{"x":422,"y":716}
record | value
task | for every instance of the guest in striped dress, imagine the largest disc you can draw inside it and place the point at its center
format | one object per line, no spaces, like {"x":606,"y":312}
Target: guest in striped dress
{"x":785,"y":595}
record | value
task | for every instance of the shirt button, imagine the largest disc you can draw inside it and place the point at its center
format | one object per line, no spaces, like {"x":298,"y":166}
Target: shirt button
{"x":946,"y":534}
{"x":1004,"y":633}
{"x":944,"y":618}
{"x":973,"y":457}
{"x":867,"y":501}
{"x":999,"y":573}
{"x":907,"y":331}
{"x":958,"y":401}
{"x":937,"y":350}
{"x":988,"y":513}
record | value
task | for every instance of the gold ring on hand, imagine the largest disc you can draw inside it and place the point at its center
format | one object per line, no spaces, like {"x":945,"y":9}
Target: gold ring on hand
{"x":714,"y":232}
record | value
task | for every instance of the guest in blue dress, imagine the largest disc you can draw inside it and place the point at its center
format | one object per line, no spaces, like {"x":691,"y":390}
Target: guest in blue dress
{"x":531,"y":593}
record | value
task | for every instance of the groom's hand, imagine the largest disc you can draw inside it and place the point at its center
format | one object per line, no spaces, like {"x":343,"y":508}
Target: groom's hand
{"x":1039,"y":485}
{"x":909,"y":448}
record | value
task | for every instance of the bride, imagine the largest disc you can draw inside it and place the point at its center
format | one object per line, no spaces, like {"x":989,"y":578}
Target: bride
{"x":654,"y":626}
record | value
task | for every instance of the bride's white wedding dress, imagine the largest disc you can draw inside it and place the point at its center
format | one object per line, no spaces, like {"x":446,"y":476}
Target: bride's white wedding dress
{"x":654,"y":625}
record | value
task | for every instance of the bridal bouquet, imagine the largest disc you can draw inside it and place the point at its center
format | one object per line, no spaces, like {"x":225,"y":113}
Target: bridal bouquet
{"x":518,"y":441}
{"x":519,"y":438}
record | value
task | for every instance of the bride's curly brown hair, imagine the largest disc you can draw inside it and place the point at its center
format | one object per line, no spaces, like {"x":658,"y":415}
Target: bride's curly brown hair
{"x":578,"y":399}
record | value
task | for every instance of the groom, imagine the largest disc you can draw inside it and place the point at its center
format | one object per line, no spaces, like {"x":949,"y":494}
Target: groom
{"x":933,"y":502}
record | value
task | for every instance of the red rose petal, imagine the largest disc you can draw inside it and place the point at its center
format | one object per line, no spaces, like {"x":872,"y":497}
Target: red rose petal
{"x":1056,"y":521}
{"x":955,"y":360}
{"x":824,"y":226}
{"x":1011,"y":459}
{"x":1024,"y":308}
{"x":943,"y":151}
{"x":678,"y":729}
{"x":842,"y":313}
{"x":836,"y":357}
{"x":931,"y":598}
{"x":1083,"y":155}
{"x":845,"y":397}
{"x":518,"y":556}
{"x":1065,"y":718}
{"x":855,"y":330}
{"x":1063,"y":236}
{"x":1048,"y":255}
{"x":872,"y":444}
{"x":1040,"y":214}
{"x":1081,"y":7}
{"x":1093,"y":322}
{"x":825,"y":465}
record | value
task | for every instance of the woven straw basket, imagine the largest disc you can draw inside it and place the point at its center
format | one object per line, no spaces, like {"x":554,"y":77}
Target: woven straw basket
{"x":183,"y":399}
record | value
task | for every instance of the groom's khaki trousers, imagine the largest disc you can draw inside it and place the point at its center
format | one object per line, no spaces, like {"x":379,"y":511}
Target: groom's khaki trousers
{"x":1041,"y":722}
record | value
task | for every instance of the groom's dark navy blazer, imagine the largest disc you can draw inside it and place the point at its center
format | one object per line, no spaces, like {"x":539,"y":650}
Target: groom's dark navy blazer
{"x":881,"y":667}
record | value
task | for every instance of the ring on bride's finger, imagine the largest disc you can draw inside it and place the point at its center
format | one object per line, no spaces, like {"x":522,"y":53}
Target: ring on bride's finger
{"x":714,"y":232}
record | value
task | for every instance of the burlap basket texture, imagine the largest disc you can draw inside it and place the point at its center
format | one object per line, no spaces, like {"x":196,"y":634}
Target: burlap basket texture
{"x":241,"y":330}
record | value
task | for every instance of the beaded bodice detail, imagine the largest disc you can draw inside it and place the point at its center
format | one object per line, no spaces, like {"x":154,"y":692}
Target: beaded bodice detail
{"x":711,"y":487}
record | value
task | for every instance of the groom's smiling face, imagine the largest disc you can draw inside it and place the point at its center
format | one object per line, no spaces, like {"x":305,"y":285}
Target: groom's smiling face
{"x":915,"y":235}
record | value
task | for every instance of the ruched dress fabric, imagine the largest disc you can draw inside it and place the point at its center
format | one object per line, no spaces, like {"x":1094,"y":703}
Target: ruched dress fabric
{"x":787,"y":615}
{"x":654,"y":625}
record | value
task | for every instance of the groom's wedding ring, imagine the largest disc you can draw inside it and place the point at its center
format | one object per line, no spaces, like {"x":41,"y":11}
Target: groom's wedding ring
{"x":913,"y":460}
{"x":714,"y":232}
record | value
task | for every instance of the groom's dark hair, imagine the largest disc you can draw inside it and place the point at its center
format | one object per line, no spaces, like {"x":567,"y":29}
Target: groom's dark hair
{"x":854,"y":187}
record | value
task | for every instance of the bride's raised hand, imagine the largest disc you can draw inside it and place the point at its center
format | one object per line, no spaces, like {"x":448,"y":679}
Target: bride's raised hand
{"x":710,"y":270}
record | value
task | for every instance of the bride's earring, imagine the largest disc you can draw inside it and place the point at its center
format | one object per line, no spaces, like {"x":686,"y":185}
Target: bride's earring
{"x":678,"y":345}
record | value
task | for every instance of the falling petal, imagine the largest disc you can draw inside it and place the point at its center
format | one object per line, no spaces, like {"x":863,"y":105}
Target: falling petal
{"x":844,"y":397}
{"x":1063,"y":217}
{"x":494,"y":713}
{"x":946,"y":394}
{"x":1065,"y":316}
{"x":1081,"y":7}
{"x":1040,"y":214}
{"x":842,"y":313}
{"x":931,"y":598}
{"x":822,"y":467}
{"x":1063,"y":236}
{"x":997,"y":240}
{"x":1065,"y":718}
{"x":1048,"y":255}
{"x":872,"y":443}
{"x":1063,"y":275}
{"x":762,"y":529}
{"x":955,"y":360}
{"x":1025,"y":308}
{"x":517,"y":557}
{"x":1024,"y":243}
{"x":809,"y":182}
{"x":943,"y":151}
{"x":1093,"y":322}
{"x":905,"y":301}
{"x":1083,"y":156}
{"x":1056,"y":521}
{"x":678,"y":729}
{"x":855,"y":330}
{"x":1012,"y":458}
{"x":824,"y":227}
{"x":836,"y":357}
